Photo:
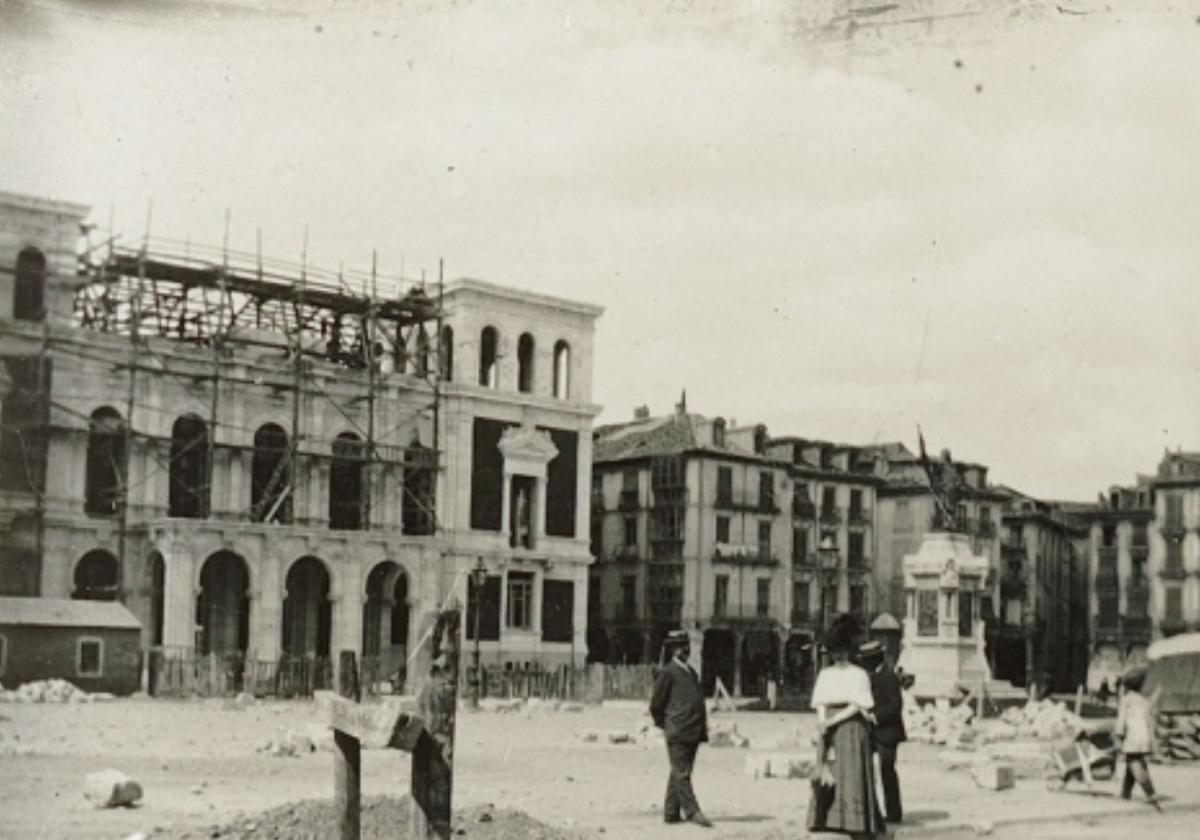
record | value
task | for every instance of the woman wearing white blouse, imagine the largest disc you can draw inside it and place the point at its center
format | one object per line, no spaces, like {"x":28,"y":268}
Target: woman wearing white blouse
{"x":843,"y":701}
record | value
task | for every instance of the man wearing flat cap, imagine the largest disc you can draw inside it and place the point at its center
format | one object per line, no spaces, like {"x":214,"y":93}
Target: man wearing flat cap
{"x":888,"y":732}
{"x":677,"y":707}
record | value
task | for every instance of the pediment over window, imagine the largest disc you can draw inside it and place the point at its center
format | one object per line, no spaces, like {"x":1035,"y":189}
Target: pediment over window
{"x":527,"y":451}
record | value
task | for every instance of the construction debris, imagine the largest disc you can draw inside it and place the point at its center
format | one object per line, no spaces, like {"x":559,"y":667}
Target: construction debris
{"x":725,"y":734}
{"x":51,"y":691}
{"x":939,"y":723}
{"x":111,"y":789}
{"x":780,"y":766}
{"x":994,"y":776}
{"x":1179,"y":736}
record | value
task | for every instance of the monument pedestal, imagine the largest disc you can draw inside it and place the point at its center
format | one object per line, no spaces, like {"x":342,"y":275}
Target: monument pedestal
{"x":943,"y":634}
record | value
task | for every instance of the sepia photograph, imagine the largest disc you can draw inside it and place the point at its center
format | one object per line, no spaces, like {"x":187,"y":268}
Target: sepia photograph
{"x":599,"y":419}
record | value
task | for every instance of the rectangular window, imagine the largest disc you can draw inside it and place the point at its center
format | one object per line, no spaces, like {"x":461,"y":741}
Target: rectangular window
{"x":828,"y":498}
{"x":594,"y":594}
{"x":724,"y":485}
{"x":520,"y":600}
{"x":764,"y":538}
{"x":854,"y":548}
{"x":1109,"y":608}
{"x":89,"y":657}
{"x":800,"y":597}
{"x":489,"y":606}
{"x":927,"y":612}
{"x":856,"y":503}
{"x":966,"y":613}
{"x":1108,"y":536}
{"x":721,"y":595}
{"x":1174,"y":610}
{"x":558,"y":606}
{"x":904,"y":520}
{"x":1174,"y":511}
{"x":1174,"y":556}
{"x":763,"y":604}
{"x":858,"y":600}
{"x":799,"y":545}
{"x":723,"y":529}
{"x":629,"y":594}
{"x":1140,"y":537}
{"x":766,"y":490}
{"x":487,"y":473}
{"x":631,"y":531}
{"x":629,"y":480}
{"x":562,"y":480}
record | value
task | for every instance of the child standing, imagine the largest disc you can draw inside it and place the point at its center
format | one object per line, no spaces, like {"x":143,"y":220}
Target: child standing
{"x":1135,"y":728}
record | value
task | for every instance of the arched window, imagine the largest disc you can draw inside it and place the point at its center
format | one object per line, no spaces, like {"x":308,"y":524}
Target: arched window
{"x":525,"y":363}
{"x":562,"y":370}
{"x":29,"y":291}
{"x":105,"y":463}
{"x":446,"y":354}
{"x":307,"y":610}
{"x":223,"y":606}
{"x":270,"y":476}
{"x":346,"y":508}
{"x":188,"y":493}
{"x":489,"y":370}
{"x":422,"y":352}
{"x":97,"y":577}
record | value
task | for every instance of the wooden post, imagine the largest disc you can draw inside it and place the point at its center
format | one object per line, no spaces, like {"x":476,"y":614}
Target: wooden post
{"x":979,"y":702}
{"x":347,"y":766}
{"x":1078,"y":700}
{"x":433,"y":754}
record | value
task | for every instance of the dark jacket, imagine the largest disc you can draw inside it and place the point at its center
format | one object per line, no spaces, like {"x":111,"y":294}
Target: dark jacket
{"x":889,"y":707}
{"x":677,"y":705}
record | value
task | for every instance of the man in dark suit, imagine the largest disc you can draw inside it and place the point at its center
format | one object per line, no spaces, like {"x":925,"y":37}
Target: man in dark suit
{"x":677,"y":707}
{"x":888,"y":732}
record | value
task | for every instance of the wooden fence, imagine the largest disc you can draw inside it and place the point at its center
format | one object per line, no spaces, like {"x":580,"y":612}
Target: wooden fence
{"x":185,"y":673}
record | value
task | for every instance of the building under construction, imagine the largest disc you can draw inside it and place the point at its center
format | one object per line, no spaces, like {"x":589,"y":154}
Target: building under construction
{"x":274,"y":463}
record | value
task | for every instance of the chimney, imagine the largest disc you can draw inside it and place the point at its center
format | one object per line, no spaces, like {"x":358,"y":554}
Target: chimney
{"x":681,"y":406}
{"x":642,"y":412}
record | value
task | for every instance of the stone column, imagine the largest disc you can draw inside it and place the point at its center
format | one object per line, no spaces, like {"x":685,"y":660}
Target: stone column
{"x":179,"y":596}
{"x":266,"y":638}
{"x":537,"y":526}
{"x":505,"y":505}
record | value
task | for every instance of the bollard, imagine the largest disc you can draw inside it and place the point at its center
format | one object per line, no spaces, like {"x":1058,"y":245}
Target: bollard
{"x":347,"y":762}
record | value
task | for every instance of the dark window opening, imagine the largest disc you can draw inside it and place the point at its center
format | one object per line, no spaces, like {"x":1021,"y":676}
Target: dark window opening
{"x":558,"y":606}
{"x":562,"y":480}
{"x":520,"y":515}
{"x":488,"y":606}
{"x":520,"y":600}
{"x":763,"y":603}
{"x":347,"y":501}
{"x":29,"y":291}
{"x":489,"y":370}
{"x":562,"y":370}
{"x":525,"y":349}
{"x":105,"y":463}
{"x":722,"y":529}
{"x":418,"y":506}
{"x":97,"y":577}
{"x":270,"y":476}
{"x":446,"y":354}
{"x":487,"y":474}
{"x":188,"y":495}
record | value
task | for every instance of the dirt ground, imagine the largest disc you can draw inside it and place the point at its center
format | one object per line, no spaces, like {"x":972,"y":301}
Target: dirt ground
{"x":204,"y":775}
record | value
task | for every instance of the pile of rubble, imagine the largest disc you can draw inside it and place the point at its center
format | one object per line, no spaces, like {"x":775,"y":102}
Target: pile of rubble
{"x":940,"y":723}
{"x":51,"y":691}
{"x":646,"y":734}
{"x":1179,"y":736}
{"x":290,"y":743}
{"x":529,"y":706}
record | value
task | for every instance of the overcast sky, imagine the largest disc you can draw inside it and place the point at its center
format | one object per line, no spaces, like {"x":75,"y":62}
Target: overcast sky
{"x":987,"y":225}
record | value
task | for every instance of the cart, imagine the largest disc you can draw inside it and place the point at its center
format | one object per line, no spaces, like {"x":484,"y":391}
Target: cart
{"x":1091,"y":756}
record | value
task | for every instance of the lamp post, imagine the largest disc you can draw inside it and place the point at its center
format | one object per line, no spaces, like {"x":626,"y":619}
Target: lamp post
{"x":479,"y":580}
{"x":827,"y":553}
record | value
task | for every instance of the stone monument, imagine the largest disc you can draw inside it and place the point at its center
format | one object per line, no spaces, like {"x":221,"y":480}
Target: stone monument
{"x":944,"y":582}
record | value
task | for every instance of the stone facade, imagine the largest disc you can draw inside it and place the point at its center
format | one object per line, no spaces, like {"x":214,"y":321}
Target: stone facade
{"x":288,"y":542}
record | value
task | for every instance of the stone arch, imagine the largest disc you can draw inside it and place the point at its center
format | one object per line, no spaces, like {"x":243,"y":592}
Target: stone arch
{"x":307,"y":608}
{"x":97,"y":577}
{"x":223,"y":604}
{"x":188,"y":496}
{"x":106,"y":456}
{"x":29,"y":290}
{"x":386,"y":621}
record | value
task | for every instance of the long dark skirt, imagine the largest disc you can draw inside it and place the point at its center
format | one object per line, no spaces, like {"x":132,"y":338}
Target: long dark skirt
{"x":855,"y":806}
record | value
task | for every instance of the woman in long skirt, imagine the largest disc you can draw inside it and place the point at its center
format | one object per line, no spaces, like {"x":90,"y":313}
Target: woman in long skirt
{"x":843,"y":701}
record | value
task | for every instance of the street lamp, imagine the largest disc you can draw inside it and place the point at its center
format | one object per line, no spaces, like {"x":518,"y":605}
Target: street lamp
{"x":479,"y":580}
{"x":827,"y":553}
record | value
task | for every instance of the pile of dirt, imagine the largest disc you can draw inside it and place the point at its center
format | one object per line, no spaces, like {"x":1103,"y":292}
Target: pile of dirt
{"x":383,"y":818}
{"x":51,"y":691}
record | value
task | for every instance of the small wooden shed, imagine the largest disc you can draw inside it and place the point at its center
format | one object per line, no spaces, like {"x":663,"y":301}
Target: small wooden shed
{"x":94,"y":645}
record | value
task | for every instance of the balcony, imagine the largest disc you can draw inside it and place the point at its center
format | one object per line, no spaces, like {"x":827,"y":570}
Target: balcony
{"x":1012,"y":547}
{"x":628,"y":501}
{"x":1106,"y":579}
{"x":743,"y":555}
{"x":1173,"y":571}
{"x":1107,"y":555}
{"x":1136,"y":627}
{"x":802,"y":618}
{"x":859,"y":517}
{"x":1139,"y":551}
{"x":1172,"y":626}
{"x":597,"y":502}
{"x":831,"y":515}
{"x":858,"y":564}
{"x":1106,"y":628}
{"x":626,"y":554}
{"x":985,"y":528}
{"x":803,"y":509}
{"x":1174,"y":527}
{"x":670,"y":497}
{"x":727,"y":501}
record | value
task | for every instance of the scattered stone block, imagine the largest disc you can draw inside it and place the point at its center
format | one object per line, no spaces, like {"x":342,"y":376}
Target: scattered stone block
{"x":725,"y":734}
{"x":589,"y":737}
{"x":994,"y":776}
{"x":615,"y":737}
{"x":779,"y":766}
{"x":111,"y":789}
{"x":983,"y":827}
{"x":571,"y":707}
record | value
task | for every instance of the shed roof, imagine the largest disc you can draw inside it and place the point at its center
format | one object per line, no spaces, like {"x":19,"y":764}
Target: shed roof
{"x":63,"y":612}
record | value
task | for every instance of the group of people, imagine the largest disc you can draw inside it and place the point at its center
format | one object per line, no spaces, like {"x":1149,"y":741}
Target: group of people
{"x":859,"y":717}
{"x":860,"y":725}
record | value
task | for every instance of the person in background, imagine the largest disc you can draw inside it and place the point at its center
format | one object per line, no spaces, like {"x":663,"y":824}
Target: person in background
{"x":677,"y":707}
{"x":1135,"y":728}
{"x":843,"y":700}
{"x":888,"y":732}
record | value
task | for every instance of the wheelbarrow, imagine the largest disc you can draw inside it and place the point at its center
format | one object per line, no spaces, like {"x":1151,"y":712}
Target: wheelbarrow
{"x":1091,"y":757}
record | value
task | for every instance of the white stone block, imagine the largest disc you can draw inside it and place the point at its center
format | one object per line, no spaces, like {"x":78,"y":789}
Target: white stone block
{"x":111,"y":789}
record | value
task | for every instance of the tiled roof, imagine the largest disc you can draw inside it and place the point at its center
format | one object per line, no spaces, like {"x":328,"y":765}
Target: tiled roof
{"x":667,"y":435}
{"x":62,"y":612}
